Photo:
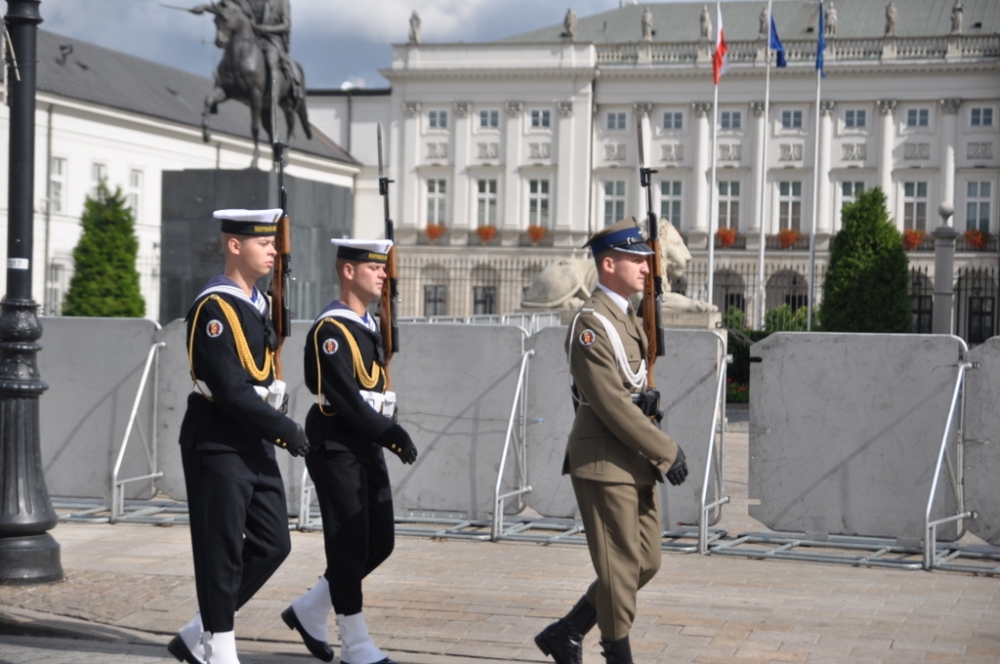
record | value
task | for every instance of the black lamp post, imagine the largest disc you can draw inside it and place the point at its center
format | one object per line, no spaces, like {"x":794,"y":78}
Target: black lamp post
{"x":28,"y":553}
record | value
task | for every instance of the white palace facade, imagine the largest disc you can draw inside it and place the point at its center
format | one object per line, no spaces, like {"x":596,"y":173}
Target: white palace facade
{"x":535,"y":138}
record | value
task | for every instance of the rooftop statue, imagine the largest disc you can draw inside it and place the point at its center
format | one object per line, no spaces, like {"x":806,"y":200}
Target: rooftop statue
{"x":254,"y":36}
{"x":414,"y":27}
{"x":569,"y":25}
{"x":706,"y":23}
{"x":956,"y":18}
{"x":763,"y":30}
{"x":890,"y":19}
{"x":647,"y":25}
{"x":831,"y":20}
{"x":565,"y":285}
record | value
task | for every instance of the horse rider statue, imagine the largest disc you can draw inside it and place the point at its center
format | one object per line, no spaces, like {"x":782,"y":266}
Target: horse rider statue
{"x":266,"y":23}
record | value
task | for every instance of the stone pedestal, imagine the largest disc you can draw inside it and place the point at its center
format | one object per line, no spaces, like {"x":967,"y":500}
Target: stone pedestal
{"x":191,"y":251}
{"x":692,"y":320}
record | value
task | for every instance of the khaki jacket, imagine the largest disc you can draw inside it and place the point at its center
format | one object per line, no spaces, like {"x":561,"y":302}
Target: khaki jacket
{"x":611,"y":440}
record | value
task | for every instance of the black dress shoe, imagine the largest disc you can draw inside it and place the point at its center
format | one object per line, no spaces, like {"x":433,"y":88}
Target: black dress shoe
{"x":180,"y":650}
{"x":319,"y":649}
{"x":562,"y":641}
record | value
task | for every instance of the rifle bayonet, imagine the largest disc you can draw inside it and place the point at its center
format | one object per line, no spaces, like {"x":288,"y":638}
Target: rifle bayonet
{"x":652,"y":317}
{"x":390,"y":289}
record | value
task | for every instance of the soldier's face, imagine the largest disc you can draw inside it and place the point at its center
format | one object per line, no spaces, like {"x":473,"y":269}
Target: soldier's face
{"x":369,"y":278}
{"x":625,"y":273}
{"x":257,"y":254}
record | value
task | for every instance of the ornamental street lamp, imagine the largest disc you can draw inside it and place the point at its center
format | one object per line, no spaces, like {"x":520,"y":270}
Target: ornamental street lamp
{"x":28,"y":553}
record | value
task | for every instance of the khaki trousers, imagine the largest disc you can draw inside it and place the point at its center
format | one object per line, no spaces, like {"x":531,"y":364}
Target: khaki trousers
{"x":624,"y":536}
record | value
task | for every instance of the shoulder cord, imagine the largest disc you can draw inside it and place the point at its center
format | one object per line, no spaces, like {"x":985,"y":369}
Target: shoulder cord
{"x":242,"y":348}
{"x":637,"y":379}
{"x":367,"y":379}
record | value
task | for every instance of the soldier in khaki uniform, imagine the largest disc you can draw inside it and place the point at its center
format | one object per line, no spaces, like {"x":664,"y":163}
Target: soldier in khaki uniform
{"x":616,"y":452}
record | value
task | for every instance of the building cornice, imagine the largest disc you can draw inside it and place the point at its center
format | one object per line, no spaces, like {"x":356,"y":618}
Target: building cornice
{"x":190,"y":133}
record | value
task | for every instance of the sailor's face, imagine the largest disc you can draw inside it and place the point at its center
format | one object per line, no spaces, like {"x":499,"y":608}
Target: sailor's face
{"x":370,"y":277}
{"x":258,"y":253}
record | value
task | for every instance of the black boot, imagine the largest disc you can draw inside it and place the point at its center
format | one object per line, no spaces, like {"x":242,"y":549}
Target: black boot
{"x":617,"y":652}
{"x":563,"y":639}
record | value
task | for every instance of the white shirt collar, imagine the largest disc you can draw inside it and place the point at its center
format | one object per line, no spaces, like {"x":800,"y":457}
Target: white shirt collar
{"x":616,"y":298}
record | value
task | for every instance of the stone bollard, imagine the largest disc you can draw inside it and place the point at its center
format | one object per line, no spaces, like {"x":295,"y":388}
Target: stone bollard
{"x":944,"y":267}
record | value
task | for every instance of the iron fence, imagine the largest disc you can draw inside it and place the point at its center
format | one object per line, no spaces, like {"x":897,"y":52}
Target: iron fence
{"x":976,"y":304}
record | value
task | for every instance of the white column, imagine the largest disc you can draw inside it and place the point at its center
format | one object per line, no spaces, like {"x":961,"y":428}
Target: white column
{"x":949,"y":138}
{"x":511,"y":183}
{"x":698,"y":237}
{"x":823,"y":222}
{"x":642,"y":112}
{"x":759,"y":170}
{"x":885,"y":160}
{"x":460,"y":183}
{"x":408,"y":208}
{"x":564,"y":195}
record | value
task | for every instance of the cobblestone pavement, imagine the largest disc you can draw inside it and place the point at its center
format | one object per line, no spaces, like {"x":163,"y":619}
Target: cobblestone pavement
{"x":129,"y":587}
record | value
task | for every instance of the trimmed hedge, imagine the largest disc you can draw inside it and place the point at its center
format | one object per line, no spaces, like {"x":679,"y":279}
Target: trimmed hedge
{"x":867,"y":282}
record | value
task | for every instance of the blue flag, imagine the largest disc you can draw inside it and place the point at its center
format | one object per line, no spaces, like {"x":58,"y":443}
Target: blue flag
{"x":821,"y":46}
{"x":779,"y":49}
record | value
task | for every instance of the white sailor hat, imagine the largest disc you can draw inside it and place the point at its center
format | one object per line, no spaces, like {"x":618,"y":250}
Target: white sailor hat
{"x":249,"y":222}
{"x":368,"y":251}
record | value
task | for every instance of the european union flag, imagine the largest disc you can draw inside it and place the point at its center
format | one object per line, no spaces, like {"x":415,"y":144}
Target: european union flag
{"x":821,"y":46}
{"x":779,"y":49}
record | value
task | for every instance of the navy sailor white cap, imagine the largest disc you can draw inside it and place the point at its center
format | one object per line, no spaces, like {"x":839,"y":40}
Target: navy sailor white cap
{"x":368,"y":251}
{"x":249,"y":222}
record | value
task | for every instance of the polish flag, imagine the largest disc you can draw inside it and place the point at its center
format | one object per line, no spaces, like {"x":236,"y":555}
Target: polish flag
{"x":720,"y":58}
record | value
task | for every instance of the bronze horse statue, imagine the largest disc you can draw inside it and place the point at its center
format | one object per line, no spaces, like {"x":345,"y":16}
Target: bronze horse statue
{"x":243,"y":75}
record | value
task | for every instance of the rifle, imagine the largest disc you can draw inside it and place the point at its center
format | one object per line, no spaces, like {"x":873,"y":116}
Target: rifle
{"x":652,"y":317}
{"x":281,"y":310}
{"x":388,"y":323}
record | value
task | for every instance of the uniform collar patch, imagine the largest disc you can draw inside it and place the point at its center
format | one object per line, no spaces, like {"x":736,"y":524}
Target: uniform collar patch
{"x":587,"y":337}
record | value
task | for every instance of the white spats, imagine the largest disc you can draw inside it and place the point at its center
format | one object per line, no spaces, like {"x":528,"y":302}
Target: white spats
{"x":356,"y":647}
{"x":313,"y":609}
{"x":191,"y":636}
{"x":220,"y":648}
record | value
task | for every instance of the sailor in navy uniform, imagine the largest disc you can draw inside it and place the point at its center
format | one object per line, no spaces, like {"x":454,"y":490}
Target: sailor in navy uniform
{"x":236,"y":498}
{"x":348,"y":427}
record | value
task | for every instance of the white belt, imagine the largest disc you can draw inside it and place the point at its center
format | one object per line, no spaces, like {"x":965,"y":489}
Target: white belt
{"x":384,"y":403}
{"x":273,"y":395}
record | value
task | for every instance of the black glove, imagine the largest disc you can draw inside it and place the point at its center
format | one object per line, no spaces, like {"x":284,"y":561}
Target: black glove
{"x":678,"y":472}
{"x":397,"y":441}
{"x":299,"y":445}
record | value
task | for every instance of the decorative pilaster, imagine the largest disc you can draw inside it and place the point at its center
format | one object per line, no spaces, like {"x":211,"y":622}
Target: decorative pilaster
{"x":887,"y":137}
{"x":949,"y":143}
{"x":698,"y":237}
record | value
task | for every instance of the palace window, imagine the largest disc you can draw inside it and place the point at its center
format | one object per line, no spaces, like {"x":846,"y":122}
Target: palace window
{"x":729,"y":204}
{"x":616,"y":121}
{"x":486,"y":202}
{"x":673,"y":121}
{"x":918,"y":117}
{"x":790,"y":205}
{"x":915,"y":205}
{"x":614,"y":201}
{"x":57,"y":185}
{"x":855,"y":118}
{"x":538,"y":203}
{"x":541,"y":118}
{"x":437,"y":201}
{"x":489,"y":119}
{"x":977,"y":206}
{"x":730,"y":119}
{"x":981,"y":117}
{"x":437,"y":119}
{"x":791,"y":119}
{"x":135,"y":192}
{"x":670,"y":201}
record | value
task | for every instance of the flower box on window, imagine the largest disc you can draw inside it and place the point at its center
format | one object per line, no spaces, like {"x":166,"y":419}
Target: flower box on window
{"x":486,"y":233}
{"x":788,"y":237}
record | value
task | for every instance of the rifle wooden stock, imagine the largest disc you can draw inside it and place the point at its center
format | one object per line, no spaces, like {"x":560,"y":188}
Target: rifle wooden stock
{"x":652,"y":323}
{"x":280,"y":310}
{"x":387,"y":313}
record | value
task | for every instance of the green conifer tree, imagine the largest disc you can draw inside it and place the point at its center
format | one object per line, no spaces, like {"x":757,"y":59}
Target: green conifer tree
{"x":105,"y":281}
{"x":867,"y":282}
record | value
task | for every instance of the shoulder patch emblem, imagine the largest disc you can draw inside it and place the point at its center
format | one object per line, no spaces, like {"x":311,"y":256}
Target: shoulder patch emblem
{"x":330,"y":346}
{"x":587,"y":337}
{"x":214,"y":328}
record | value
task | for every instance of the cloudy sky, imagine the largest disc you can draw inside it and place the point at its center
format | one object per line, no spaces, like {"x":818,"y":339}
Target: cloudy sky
{"x":335,"y":40}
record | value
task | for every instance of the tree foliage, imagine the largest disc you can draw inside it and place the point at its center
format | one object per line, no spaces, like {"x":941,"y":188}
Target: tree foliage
{"x":105,"y":281}
{"x":867,"y":282}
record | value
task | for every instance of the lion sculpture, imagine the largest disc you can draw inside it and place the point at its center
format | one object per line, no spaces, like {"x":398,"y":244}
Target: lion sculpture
{"x":565,"y":285}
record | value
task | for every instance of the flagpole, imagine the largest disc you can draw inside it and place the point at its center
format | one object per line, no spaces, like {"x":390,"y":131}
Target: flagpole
{"x":713,"y":201}
{"x":820,"y":45}
{"x":761,"y":290}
